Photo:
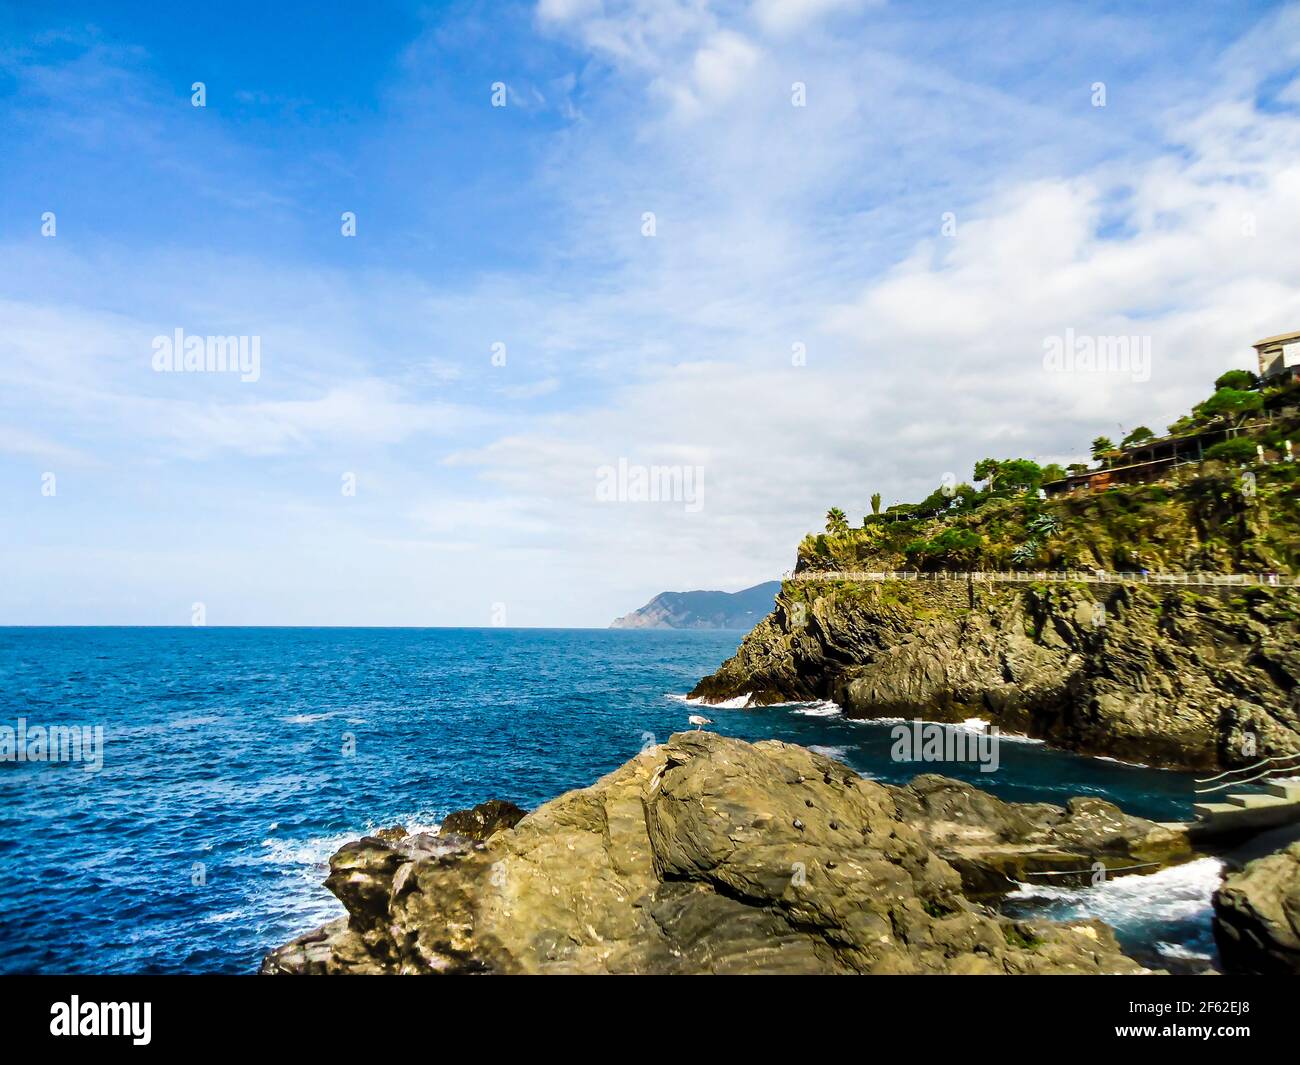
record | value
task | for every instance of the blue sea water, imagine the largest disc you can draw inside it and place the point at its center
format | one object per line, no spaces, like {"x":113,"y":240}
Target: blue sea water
{"x":237,"y":759}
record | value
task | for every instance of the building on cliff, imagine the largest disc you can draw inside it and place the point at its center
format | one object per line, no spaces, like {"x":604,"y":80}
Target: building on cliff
{"x":1279,"y":357}
{"x":1152,"y":460}
{"x":1157,"y":458}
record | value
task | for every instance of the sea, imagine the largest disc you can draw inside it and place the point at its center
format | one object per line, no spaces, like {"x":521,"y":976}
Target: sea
{"x":236,"y":760}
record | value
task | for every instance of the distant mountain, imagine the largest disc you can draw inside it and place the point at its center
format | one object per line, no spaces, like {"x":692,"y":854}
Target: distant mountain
{"x":704,"y":610}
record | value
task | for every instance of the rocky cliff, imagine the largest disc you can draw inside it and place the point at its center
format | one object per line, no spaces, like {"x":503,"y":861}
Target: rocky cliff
{"x":711,"y":855}
{"x":1163,"y":677}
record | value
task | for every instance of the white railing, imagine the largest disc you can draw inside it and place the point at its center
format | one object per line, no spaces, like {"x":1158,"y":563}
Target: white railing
{"x":1261,"y":770}
{"x":1215,"y":580}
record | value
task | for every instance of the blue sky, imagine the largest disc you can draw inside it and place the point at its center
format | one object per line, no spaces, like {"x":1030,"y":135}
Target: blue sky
{"x":1167,"y":214}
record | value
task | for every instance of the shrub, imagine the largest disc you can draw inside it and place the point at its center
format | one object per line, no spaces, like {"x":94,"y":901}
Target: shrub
{"x":952,"y":549}
{"x":1231,"y":402}
{"x":1237,"y":379}
{"x":1238,"y":449}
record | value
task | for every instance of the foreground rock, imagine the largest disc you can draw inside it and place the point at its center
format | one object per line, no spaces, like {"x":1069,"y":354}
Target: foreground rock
{"x":1167,"y":678}
{"x":711,"y":855}
{"x":1257,"y":915}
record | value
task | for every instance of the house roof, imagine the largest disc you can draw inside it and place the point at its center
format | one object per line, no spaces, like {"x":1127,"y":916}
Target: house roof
{"x":1281,"y":338}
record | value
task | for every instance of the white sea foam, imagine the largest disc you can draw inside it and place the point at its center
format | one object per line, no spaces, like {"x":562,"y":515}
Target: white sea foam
{"x":819,"y":708}
{"x":307,"y":719}
{"x":1135,"y":765}
{"x":829,"y":752}
{"x":309,"y":856}
{"x":1182,"y":952}
{"x":740,"y":702}
{"x":979,"y":726}
{"x":1180,"y":893}
{"x":222,"y":918}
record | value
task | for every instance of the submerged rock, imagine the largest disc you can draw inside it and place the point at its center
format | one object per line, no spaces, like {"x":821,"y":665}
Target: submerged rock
{"x":711,"y":855}
{"x":1257,"y":915}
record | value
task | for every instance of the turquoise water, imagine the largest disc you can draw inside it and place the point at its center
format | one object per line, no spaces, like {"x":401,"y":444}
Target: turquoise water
{"x":237,"y":760}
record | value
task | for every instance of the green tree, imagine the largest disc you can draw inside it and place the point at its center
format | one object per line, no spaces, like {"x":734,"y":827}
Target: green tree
{"x":875,"y":502}
{"x":1053,"y":471}
{"x":987,"y":470}
{"x":1138,"y":436}
{"x":1020,"y":473}
{"x":1240,"y":380}
{"x":1230,"y":403}
{"x":1101,"y":445}
{"x":836,"y":522}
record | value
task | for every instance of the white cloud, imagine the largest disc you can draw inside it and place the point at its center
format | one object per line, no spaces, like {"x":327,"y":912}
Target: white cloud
{"x":778,"y":226}
{"x":782,"y":16}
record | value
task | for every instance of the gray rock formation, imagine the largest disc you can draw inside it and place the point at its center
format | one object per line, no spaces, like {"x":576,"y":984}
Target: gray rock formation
{"x":1167,"y":678}
{"x":1257,"y":915}
{"x":711,"y":855}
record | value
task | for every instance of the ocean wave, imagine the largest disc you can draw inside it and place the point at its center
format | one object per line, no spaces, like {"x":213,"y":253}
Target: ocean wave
{"x":979,"y":726}
{"x":1182,"y":952}
{"x":1178,"y":894}
{"x":837,"y":753}
{"x":819,"y":708}
{"x":740,"y":702}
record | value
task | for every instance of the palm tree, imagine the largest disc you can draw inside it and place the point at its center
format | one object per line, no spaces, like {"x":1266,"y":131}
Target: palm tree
{"x":836,"y":521}
{"x":875,"y":502}
{"x":1100,"y":447}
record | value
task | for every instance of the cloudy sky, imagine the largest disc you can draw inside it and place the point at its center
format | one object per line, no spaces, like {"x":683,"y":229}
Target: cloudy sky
{"x":810,"y":249}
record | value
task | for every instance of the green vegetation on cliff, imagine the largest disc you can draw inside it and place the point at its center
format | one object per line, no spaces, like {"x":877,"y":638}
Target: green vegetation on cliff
{"x":1231,"y":512}
{"x":1214,"y":521}
{"x":1161,"y":675}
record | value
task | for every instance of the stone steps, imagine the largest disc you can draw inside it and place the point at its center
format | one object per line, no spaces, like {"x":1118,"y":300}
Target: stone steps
{"x":1286,"y":789}
{"x":1279,"y":804}
{"x":1254,"y":802}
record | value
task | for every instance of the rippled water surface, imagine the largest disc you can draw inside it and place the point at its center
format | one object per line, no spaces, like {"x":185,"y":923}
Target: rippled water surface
{"x":225,"y":757}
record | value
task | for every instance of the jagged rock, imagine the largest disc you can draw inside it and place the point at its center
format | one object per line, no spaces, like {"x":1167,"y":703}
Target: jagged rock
{"x":393,"y":834}
{"x":1257,"y":915}
{"x":1172,"y":678}
{"x":482,"y":820}
{"x":703,"y":855}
